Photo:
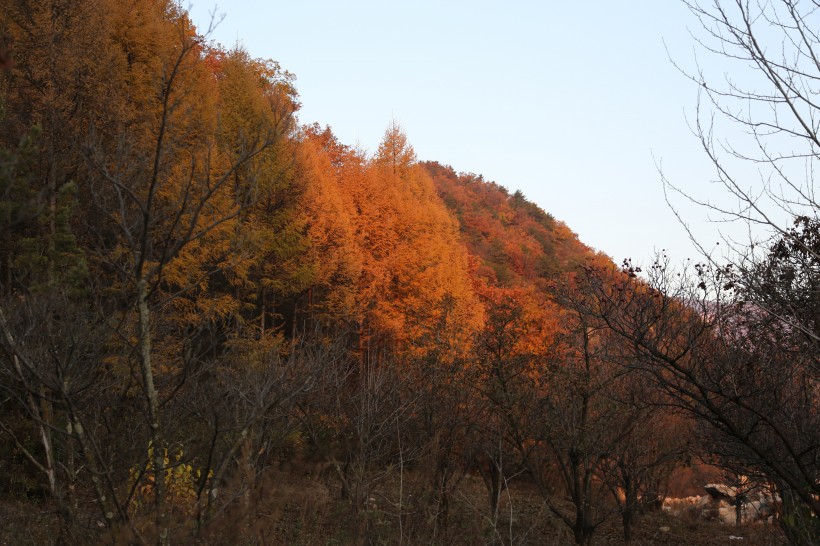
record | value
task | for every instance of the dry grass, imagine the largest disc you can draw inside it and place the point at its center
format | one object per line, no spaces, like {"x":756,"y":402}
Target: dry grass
{"x":299,"y":510}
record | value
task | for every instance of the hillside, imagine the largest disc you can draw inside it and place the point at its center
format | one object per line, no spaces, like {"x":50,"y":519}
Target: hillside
{"x":219,"y":325}
{"x":517,"y":241}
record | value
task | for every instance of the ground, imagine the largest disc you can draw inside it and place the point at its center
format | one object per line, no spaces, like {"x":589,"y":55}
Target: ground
{"x":299,"y":510}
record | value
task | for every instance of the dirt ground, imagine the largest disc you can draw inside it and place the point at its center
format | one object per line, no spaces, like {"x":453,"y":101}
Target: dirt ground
{"x":301,"y":511}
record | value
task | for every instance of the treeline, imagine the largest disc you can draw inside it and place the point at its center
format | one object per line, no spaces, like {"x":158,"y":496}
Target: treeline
{"x":204,"y":301}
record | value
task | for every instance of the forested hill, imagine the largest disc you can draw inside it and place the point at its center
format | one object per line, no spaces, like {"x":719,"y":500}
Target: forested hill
{"x":218,"y":322}
{"x":517,"y":241}
{"x":222,"y":325}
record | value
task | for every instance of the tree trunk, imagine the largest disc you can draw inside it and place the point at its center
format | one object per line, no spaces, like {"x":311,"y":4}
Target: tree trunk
{"x":262,"y":314}
{"x":247,"y":474}
{"x":103,"y":502}
{"x":627,"y":522}
{"x":738,"y":510}
{"x":47,"y":416}
{"x":443,"y":496}
{"x":630,"y":506}
{"x":152,"y":399}
{"x":38,"y":411}
{"x":494,"y":484}
{"x":583,"y":531}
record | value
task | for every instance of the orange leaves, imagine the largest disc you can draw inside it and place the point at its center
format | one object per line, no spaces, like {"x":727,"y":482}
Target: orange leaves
{"x":395,"y":154}
{"x":518,"y":243}
{"x":392,"y":237}
{"x":521,"y":321}
{"x":333,"y":255}
{"x":386,"y":250}
{"x":418,"y":260}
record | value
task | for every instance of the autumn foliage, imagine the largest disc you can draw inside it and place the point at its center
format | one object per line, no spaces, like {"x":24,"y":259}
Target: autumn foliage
{"x":200,"y":295}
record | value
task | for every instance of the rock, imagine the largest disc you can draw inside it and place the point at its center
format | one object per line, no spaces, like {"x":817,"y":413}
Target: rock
{"x":726,"y":513}
{"x":758,"y":510}
{"x":720,"y":491}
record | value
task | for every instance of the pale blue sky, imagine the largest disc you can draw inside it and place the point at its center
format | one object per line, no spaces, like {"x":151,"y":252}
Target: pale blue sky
{"x":567,"y":101}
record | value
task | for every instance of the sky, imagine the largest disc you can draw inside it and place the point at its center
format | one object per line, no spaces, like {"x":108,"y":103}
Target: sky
{"x":575,"y":103}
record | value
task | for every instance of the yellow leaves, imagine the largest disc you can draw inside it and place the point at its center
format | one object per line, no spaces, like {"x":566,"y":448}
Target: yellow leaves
{"x":257,"y":102}
{"x":181,"y":480}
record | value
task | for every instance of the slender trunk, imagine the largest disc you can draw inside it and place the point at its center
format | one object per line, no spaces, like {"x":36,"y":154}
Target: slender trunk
{"x":495,"y":490}
{"x":47,"y":416}
{"x":630,"y":506}
{"x":71,"y":466}
{"x":45,"y":435}
{"x":247,"y":473}
{"x":443,"y":496}
{"x":401,"y":484}
{"x":344,"y":475}
{"x":51,"y":147}
{"x":494,"y":484}
{"x":206,"y":482}
{"x":42,"y":415}
{"x":583,"y":527}
{"x":310,"y":307}
{"x":293,"y":328}
{"x":360,"y":348}
{"x":627,"y":521}
{"x":45,"y":406}
{"x":738,"y":510}
{"x":102,"y":500}
{"x":46,"y":413}
{"x":262,"y":315}
{"x":5,"y":263}
{"x":152,"y":399}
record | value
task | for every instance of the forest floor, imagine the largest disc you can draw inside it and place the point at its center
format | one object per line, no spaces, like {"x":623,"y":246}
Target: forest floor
{"x":301,"y":511}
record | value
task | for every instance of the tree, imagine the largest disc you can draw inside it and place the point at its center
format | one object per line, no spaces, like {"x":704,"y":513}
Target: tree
{"x":333,"y":254}
{"x":638,"y":468}
{"x":507,"y":366}
{"x":584,"y":422}
{"x":394,"y":152}
{"x":766,"y":98}
{"x":760,"y":113}
{"x":412,"y":260}
{"x":748,"y":377}
{"x":760,"y":119}
{"x":170,"y":162}
{"x":47,"y":97}
{"x":257,"y":97}
{"x":444,"y":425}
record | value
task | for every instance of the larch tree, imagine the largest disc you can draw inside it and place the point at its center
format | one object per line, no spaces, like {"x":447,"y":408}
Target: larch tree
{"x":168,"y":190}
{"x":47,"y":96}
{"x":394,"y":152}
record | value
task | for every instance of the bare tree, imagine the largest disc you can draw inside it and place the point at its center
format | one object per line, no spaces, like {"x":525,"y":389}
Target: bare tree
{"x":505,"y":400}
{"x":583,"y":424}
{"x":638,"y":468}
{"x":748,"y":377}
{"x":757,"y":119}
{"x":52,"y":367}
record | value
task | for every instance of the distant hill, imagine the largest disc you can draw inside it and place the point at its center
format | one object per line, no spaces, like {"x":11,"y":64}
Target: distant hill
{"x":516,"y":241}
